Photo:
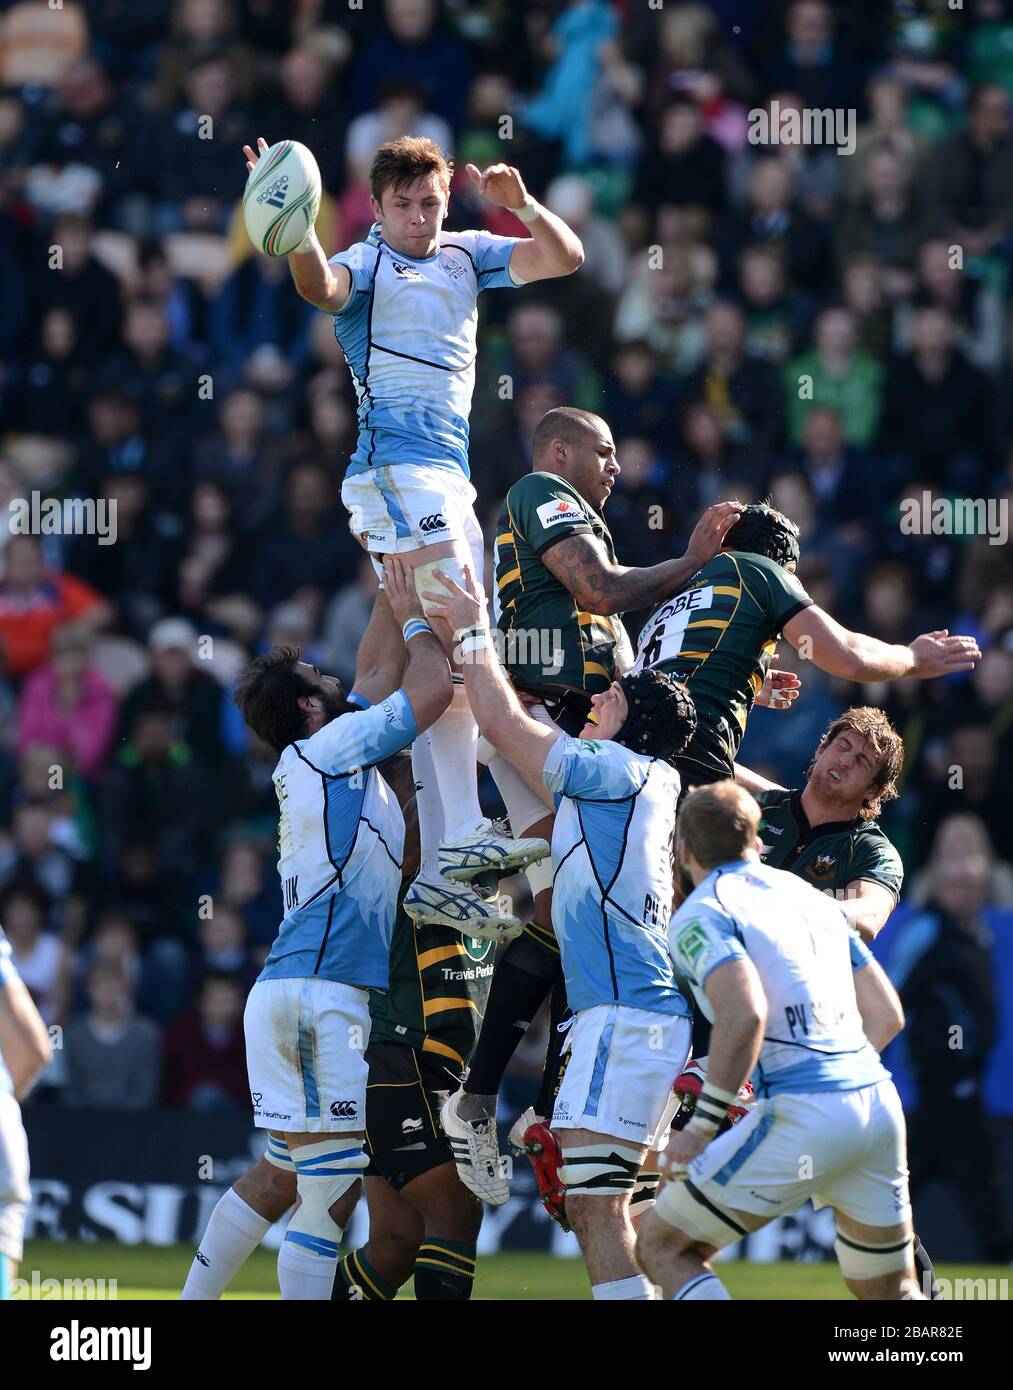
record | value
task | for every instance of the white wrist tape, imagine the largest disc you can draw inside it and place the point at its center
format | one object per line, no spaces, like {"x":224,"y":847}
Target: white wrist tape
{"x":308,"y":243}
{"x":528,"y":211}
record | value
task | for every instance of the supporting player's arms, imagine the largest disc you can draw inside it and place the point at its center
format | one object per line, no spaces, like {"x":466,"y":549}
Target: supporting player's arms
{"x":426,"y":682}
{"x":553,"y":249}
{"x":879,"y":1004}
{"x":819,"y":638}
{"x":582,"y":566}
{"x":24,"y":1041}
{"x":498,"y":712}
{"x":867,"y":905}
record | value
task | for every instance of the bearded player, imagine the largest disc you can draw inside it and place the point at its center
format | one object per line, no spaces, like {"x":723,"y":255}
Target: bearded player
{"x":405,"y":315}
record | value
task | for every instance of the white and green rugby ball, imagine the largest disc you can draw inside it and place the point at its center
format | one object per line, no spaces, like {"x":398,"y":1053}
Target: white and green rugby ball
{"x":282,"y":198}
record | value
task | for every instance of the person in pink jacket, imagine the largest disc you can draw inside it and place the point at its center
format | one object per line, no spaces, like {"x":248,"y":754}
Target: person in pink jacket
{"x":66,"y":703}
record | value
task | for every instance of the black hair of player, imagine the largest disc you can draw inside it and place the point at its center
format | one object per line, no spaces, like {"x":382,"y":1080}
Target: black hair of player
{"x":762,"y":530}
{"x":267,"y":695}
{"x":661,"y":716}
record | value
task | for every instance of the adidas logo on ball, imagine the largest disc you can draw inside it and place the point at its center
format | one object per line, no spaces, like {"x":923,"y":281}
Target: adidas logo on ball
{"x":275,"y":194}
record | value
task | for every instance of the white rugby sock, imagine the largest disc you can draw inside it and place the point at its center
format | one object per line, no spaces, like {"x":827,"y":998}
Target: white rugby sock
{"x":233,"y":1232}
{"x":305,"y":1276}
{"x":635,"y":1287}
{"x":428,"y":806}
{"x":702,"y":1288}
{"x":453,"y":740}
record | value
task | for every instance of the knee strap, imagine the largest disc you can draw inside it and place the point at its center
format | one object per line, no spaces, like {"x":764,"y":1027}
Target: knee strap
{"x":600,"y":1170}
{"x":868,"y":1260}
{"x":324,"y":1172}
{"x":645,"y":1191}
{"x":278,"y":1154}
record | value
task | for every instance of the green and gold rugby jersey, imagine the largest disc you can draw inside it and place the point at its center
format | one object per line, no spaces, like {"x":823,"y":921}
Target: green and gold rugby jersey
{"x":717,"y":634}
{"x":829,"y":856}
{"x":439,"y":985}
{"x":548,"y":643}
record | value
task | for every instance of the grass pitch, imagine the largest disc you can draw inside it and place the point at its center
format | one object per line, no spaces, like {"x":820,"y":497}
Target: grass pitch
{"x":158,"y":1272}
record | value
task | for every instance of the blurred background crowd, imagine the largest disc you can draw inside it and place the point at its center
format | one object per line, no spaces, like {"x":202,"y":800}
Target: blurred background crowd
{"x":147,"y":356}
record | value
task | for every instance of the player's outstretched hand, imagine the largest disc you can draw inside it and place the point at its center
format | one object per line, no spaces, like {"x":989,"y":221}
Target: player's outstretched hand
{"x":500,"y":184}
{"x":709,"y":532}
{"x":780,"y":690}
{"x":939,"y":654}
{"x":252,"y":156}
{"x":458,"y":607}
{"x":399,"y":586}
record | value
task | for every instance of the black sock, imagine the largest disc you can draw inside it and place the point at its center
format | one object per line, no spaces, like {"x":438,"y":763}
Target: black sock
{"x":552,"y":1073}
{"x":926,"y":1271}
{"x":356,"y":1281}
{"x":444,"y":1271}
{"x":522,"y":980}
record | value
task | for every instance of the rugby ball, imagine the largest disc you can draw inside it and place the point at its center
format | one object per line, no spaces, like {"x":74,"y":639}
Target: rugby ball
{"x":282,"y":198}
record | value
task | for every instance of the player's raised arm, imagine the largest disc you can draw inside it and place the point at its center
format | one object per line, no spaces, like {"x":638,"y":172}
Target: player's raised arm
{"x":327,"y":287}
{"x":426,"y":682}
{"x":581,"y":565}
{"x":497,"y":710}
{"x":855,"y":656}
{"x":554,"y":249}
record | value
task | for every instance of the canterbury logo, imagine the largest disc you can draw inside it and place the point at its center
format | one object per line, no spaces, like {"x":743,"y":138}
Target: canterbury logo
{"x":436,"y":522}
{"x":343,"y":1109}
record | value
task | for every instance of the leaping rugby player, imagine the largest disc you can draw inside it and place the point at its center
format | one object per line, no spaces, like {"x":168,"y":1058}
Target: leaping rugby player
{"x":405,"y":314}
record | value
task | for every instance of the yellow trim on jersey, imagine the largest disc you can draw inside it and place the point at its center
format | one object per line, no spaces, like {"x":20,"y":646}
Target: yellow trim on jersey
{"x":507,"y":538}
{"x":594,"y":668}
{"x":439,"y":1006}
{"x":728,"y":589}
{"x":709,"y":622}
{"x":438,"y":953}
{"x":695,"y":656}
{"x":510,"y":576}
{"x":443,"y":1049}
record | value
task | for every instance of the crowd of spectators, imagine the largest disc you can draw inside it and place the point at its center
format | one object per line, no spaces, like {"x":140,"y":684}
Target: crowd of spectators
{"x":752,"y":319}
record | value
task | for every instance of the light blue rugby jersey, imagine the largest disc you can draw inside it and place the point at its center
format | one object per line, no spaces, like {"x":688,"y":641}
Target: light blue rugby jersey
{"x":612,"y":891}
{"x":341,"y":837}
{"x":7,"y":973}
{"x":409,"y":335}
{"x":805,"y":953}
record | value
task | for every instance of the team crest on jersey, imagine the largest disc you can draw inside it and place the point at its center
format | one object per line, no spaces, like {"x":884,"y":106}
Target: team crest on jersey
{"x":690,"y":942}
{"x":478,"y":947}
{"x":560,"y":509}
{"x":822,"y":866}
{"x":453,"y":268}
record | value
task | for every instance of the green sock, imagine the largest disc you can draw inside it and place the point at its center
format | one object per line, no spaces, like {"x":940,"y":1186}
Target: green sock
{"x":356,"y":1281}
{"x":445,"y":1271}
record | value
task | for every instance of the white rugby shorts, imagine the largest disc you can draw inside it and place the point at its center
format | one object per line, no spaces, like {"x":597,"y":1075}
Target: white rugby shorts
{"x":843,"y":1149}
{"x":619,"y":1073}
{"x":305,"y":1040}
{"x":408,"y":506}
